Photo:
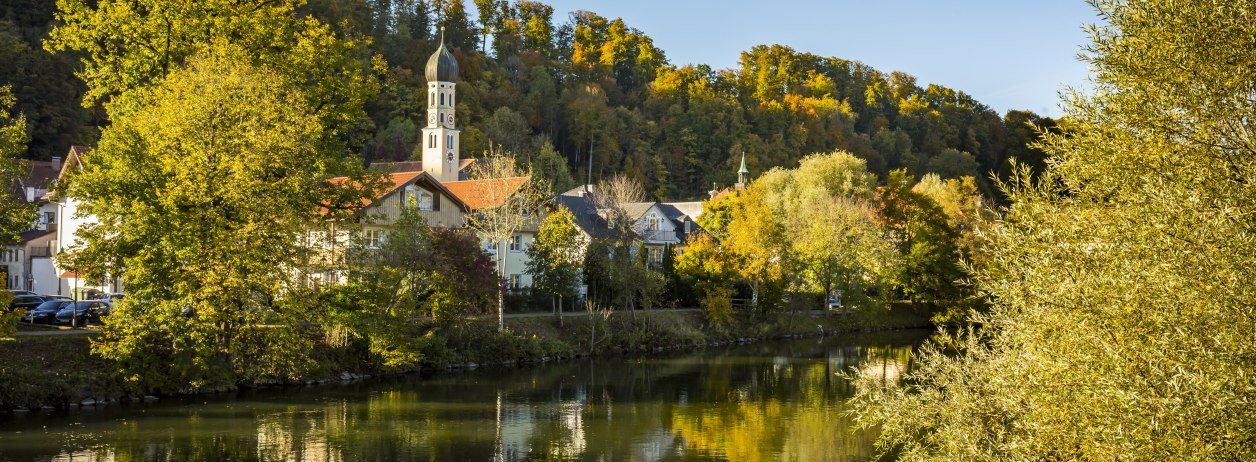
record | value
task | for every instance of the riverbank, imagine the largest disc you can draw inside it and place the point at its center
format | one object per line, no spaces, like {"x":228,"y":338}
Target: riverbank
{"x":59,"y":371}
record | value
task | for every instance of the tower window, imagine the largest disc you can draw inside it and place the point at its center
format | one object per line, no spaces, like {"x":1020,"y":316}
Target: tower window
{"x":431,"y":98}
{"x":449,"y":141}
{"x":431,"y":140}
{"x":442,"y":118}
{"x":442,"y":99}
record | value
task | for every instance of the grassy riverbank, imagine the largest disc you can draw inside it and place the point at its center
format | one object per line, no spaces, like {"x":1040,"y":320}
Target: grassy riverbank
{"x":59,"y":370}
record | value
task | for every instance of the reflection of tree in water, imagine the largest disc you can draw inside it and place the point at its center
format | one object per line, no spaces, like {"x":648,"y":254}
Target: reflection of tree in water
{"x":783,"y":400}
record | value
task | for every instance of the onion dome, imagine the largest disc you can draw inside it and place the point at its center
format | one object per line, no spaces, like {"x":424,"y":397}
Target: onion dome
{"x":442,"y":66}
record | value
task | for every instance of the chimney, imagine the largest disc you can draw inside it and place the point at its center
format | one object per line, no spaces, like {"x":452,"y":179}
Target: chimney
{"x":30,"y":194}
{"x":56,"y":163}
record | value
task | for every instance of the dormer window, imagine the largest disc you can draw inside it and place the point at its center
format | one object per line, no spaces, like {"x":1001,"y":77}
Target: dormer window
{"x":652,"y":223}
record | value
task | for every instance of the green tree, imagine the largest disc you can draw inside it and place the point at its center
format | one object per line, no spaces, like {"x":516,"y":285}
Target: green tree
{"x":1122,"y":280}
{"x":929,"y":268}
{"x":15,"y":214}
{"x":204,"y":186}
{"x":551,"y":168}
{"x":554,"y":258}
{"x":390,"y":285}
{"x":132,"y":46}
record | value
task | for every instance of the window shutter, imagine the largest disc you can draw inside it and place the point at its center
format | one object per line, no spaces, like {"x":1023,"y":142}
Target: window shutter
{"x":436,"y":202}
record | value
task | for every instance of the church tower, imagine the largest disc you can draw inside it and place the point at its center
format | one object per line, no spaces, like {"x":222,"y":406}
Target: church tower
{"x":440,"y":137}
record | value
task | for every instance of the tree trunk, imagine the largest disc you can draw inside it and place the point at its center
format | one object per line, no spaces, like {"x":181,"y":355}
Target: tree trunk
{"x":560,"y":311}
{"x":501,"y":285}
{"x":754,"y":294}
{"x":828,"y":291}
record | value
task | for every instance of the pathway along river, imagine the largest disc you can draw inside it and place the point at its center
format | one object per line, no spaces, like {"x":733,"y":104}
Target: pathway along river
{"x":781,"y":400}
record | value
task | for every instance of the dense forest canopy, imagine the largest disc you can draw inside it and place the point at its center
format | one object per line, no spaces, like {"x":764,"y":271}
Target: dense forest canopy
{"x":558,"y":91}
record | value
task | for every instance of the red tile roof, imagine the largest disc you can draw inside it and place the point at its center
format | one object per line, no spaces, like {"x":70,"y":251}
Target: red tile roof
{"x":485,"y":194}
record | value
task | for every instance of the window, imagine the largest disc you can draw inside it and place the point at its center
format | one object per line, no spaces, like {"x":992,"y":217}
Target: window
{"x":655,"y":255}
{"x":374,"y":238}
{"x":516,"y":281}
{"x":449,"y":141}
{"x":516,"y":243}
{"x":431,"y":98}
{"x":490,"y":247}
{"x":442,"y":118}
{"x":431,"y":140}
{"x":653,"y":222}
{"x":442,"y":100}
{"x":415,"y":196}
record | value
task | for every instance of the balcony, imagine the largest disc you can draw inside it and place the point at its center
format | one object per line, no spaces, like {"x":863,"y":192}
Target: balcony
{"x":658,"y":236}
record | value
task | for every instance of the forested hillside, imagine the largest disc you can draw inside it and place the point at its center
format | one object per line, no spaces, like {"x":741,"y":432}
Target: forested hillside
{"x":553,"y":90}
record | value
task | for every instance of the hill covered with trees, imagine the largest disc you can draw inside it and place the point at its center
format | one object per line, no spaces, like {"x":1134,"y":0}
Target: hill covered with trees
{"x":558,"y":90}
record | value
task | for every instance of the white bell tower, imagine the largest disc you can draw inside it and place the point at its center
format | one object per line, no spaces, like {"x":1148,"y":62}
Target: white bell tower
{"x":440,"y":137}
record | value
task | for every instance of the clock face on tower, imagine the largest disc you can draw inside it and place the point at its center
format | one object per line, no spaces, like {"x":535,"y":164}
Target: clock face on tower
{"x":449,"y":121}
{"x":431,"y":119}
{"x":449,"y":156}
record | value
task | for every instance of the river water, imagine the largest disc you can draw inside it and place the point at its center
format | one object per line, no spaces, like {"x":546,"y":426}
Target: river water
{"x":782,"y":400}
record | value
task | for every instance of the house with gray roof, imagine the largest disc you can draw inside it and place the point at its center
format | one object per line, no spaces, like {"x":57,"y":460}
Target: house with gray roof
{"x":656,"y":224}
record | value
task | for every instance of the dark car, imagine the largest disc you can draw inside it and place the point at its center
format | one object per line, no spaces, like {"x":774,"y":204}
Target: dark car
{"x":86,"y":312}
{"x":46,"y":312}
{"x":25,"y":302}
{"x":20,"y":292}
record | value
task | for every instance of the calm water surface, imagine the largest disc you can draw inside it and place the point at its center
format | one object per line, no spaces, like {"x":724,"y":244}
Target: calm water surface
{"x":771,"y":401}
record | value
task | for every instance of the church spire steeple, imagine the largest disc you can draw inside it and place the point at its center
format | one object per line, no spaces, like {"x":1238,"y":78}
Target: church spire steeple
{"x":742,"y":173}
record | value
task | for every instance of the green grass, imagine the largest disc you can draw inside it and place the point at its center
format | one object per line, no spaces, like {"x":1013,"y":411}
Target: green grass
{"x":54,"y":369}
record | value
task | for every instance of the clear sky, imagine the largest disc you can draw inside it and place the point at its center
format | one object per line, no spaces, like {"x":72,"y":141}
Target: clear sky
{"x":1008,"y":54}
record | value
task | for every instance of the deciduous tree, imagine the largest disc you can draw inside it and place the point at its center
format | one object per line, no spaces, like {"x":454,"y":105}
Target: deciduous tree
{"x":1122,"y":280}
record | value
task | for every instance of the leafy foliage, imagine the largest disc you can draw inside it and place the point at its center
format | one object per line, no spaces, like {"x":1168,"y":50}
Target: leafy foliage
{"x":555,"y":255}
{"x":201,"y":200}
{"x":15,"y":214}
{"x":1122,"y":319}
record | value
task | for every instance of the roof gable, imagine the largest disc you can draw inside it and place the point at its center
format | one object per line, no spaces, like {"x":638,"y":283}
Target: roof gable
{"x":397,"y":181}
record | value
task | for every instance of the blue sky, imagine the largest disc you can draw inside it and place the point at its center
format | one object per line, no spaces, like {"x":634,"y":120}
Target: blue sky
{"x":1012,"y":54}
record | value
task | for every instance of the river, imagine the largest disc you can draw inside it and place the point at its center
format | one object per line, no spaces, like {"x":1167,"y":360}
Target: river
{"x":781,"y":400}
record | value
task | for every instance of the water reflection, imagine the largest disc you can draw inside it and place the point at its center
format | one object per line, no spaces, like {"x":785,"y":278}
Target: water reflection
{"x":773,"y":401}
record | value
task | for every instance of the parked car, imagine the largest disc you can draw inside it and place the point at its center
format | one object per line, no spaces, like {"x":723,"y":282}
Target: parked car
{"x":20,"y":292}
{"x":85,"y":312}
{"x":56,"y":297}
{"x":113,"y":298}
{"x":46,"y":312}
{"x":25,"y":302}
